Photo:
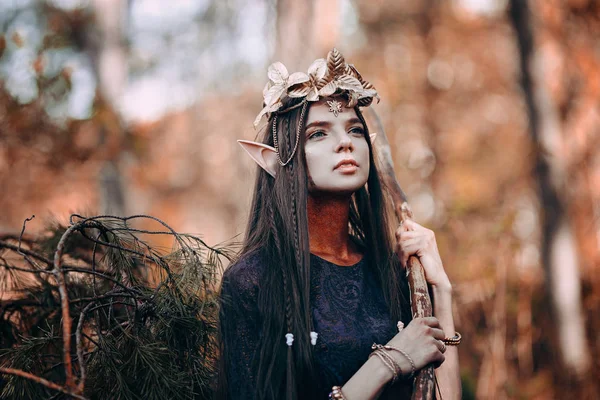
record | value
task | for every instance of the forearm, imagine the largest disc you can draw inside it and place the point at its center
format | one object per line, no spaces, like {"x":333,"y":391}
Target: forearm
{"x":448,"y":374}
{"x":368,"y":382}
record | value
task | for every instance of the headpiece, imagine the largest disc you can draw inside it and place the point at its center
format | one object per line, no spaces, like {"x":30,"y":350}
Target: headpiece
{"x":324,"y":78}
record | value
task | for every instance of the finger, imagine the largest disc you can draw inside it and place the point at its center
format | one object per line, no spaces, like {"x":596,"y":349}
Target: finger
{"x":441,"y":346}
{"x":438,"y":334}
{"x":402,"y":235}
{"x":423,"y":237}
{"x":404,"y":243}
{"x":403,"y":258}
{"x":430,"y":321}
{"x":411,"y":248}
{"x":411,"y":225}
{"x":402,"y":228}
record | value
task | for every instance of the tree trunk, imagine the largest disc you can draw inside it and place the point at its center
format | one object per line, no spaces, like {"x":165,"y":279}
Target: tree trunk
{"x":110,"y":61}
{"x":559,"y":254}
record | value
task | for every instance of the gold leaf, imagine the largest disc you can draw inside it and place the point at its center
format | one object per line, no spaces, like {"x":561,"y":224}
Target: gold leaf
{"x":277,"y":72}
{"x":266,"y":109}
{"x":313,"y":95}
{"x":317,"y":69}
{"x":328,"y":89}
{"x":351,"y":70}
{"x":273,"y":95}
{"x":348,"y":82}
{"x":260,"y":115}
{"x":336,"y":65}
{"x":365,"y":102}
{"x":299,"y":90}
{"x":368,"y":93}
{"x":266,"y":89}
{"x":275,"y":106}
{"x":367,"y":85}
{"x":352,"y":100}
{"x":321,"y":83}
{"x":296,"y":78}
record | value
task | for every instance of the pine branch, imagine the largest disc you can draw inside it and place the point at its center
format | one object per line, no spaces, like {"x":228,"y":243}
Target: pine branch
{"x":41,"y":381}
{"x":154,"y":340}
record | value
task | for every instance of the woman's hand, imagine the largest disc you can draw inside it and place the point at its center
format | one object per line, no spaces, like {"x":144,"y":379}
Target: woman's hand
{"x":414,"y":239}
{"x":422,"y":341}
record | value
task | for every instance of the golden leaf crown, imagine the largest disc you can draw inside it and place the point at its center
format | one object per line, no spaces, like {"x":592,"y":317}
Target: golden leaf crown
{"x":325,"y":77}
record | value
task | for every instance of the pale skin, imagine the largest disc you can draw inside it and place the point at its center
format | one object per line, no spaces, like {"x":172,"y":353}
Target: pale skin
{"x":329,"y":141}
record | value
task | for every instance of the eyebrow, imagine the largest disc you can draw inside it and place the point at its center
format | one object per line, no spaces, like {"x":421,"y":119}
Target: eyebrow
{"x":318,"y":123}
{"x":325,"y":124}
{"x":354,"y":120}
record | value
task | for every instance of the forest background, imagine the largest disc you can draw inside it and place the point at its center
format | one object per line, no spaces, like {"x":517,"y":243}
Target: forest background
{"x":491,"y":108}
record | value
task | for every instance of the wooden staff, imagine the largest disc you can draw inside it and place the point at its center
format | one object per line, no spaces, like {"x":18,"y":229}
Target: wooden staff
{"x":420,"y":303}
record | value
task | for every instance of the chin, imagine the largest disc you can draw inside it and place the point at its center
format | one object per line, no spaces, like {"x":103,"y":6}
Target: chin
{"x":345,"y":190}
{"x":337,"y":186}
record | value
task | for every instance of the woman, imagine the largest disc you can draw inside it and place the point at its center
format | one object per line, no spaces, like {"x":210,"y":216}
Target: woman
{"x":318,"y":280}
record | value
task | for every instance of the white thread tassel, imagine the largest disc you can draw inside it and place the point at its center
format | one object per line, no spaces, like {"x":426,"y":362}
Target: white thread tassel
{"x":400,"y":326}
{"x":289,"y":339}
{"x":313,"y":338}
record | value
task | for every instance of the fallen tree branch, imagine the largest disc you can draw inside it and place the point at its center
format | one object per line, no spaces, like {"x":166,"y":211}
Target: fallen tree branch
{"x":41,"y":381}
{"x":67,"y":322}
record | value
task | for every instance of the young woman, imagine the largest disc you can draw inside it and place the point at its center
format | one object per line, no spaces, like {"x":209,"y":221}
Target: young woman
{"x":320,"y":280}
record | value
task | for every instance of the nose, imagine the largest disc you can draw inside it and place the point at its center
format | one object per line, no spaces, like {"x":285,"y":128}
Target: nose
{"x":344,"y":144}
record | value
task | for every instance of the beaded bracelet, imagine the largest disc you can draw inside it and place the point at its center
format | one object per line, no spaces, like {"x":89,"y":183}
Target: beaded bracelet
{"x":453,"y":341}
{"x":389,"y":362}
{"x":405,"y":354}
{"x":336,"y":393}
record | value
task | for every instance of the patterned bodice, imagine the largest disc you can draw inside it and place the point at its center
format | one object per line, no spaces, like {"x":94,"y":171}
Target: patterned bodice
{"x":348,"y":312}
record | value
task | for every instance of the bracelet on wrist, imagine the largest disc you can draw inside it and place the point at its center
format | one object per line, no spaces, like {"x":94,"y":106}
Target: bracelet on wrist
{"x":380,"y":347}
{"x":389,"y":362}
{"x":454,"y":340}
{"x":336,"y":393}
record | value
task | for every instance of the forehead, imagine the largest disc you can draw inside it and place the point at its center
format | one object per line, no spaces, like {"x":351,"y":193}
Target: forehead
{"x":320,"y":111}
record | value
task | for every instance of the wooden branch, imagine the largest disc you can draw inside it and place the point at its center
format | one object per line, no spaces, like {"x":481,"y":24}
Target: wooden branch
{"x":79,"y":346}
{"x":6,"y":245}
{"x":41,"y":381}
{"x":424,"y":383}
{"x":67,"y":322}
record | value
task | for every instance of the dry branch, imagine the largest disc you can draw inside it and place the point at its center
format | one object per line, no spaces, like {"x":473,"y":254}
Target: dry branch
{"x":41,"y":381}
{"x":67,"y":322}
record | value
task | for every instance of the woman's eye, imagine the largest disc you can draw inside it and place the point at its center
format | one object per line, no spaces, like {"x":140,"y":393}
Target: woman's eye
{"x":316,"y":135}
{"x":357,"y":131}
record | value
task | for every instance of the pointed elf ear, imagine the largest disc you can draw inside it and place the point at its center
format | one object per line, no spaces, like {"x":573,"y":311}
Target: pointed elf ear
{"x":263,"y":154}
{"x":373,"y":136}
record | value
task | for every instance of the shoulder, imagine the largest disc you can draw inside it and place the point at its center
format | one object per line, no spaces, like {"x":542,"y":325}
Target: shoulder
{"x":242,"y":276}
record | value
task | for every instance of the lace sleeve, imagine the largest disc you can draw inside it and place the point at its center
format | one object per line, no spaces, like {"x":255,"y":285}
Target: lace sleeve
{"x":240,"y":328}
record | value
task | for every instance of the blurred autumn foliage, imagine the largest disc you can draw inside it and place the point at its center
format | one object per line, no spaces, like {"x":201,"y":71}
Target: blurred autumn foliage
{"x":493,"y":141}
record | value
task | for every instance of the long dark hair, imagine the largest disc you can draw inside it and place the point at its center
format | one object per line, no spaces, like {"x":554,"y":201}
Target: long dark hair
{"x":278,"y":230}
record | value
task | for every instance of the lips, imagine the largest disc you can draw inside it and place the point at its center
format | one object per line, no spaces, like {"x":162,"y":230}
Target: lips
{"x":346,"y":163}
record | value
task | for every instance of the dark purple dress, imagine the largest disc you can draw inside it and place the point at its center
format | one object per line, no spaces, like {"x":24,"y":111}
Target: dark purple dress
{"x":348,"y":312}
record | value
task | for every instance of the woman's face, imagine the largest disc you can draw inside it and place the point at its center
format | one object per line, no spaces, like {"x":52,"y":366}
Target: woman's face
{"x":337,"y":153}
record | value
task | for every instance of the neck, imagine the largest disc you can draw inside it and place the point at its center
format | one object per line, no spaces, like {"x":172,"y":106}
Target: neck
{"x":328,"y":229}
